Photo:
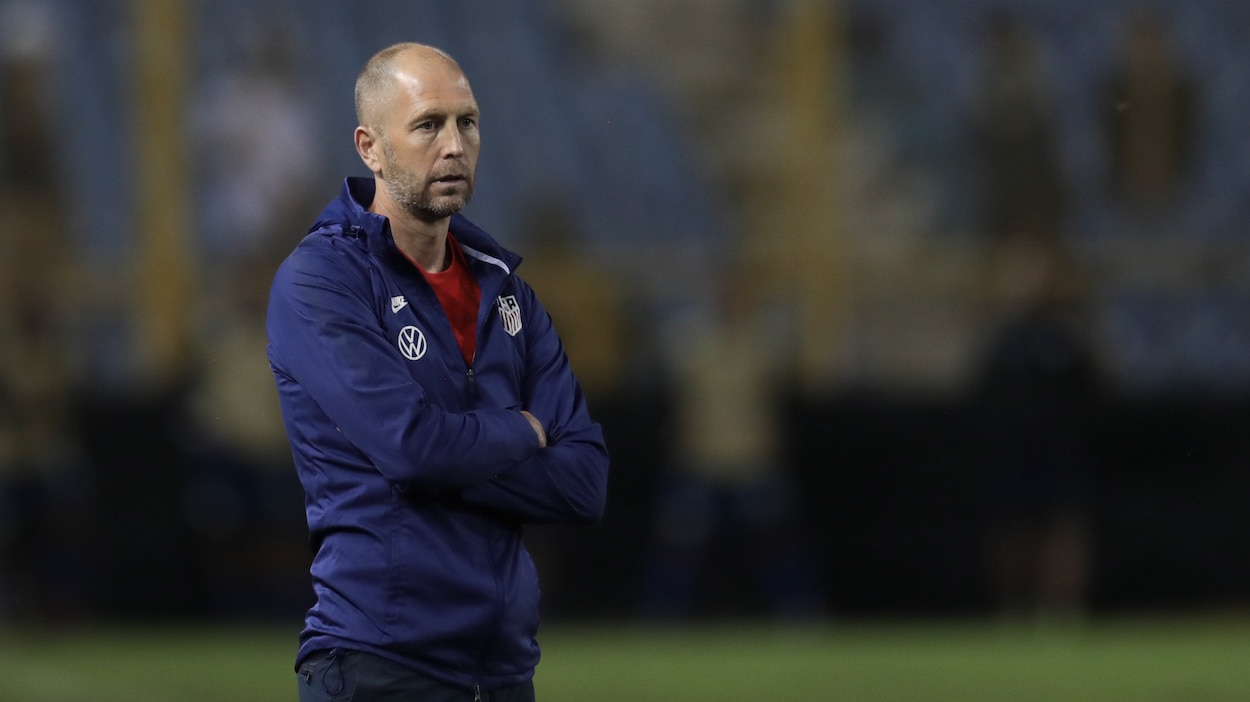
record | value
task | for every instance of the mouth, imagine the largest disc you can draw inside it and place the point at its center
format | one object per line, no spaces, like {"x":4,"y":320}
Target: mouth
{"x":451,"y":178}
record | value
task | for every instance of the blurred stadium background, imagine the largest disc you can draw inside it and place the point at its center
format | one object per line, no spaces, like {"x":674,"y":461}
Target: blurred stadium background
{"x":894,"y":186}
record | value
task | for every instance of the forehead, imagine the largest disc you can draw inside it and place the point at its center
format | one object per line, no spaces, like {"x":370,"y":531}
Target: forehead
{"x":431,"y":86}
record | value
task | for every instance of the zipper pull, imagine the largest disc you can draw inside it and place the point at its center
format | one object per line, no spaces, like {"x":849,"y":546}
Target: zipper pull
{"x":477,"y":689}
{"x":472,"y":383}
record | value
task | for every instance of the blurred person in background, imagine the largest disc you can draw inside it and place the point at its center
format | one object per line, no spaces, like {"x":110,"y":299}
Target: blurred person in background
{"x":258,"y":147}
{"x":42,"y":464}
{"x":584,"y":295}
{"x":1037,"y":394}
{"x":260,"y":163}
{"x":243,"y":501}
{"x":1035,"y":379}
{"x":431,"y":410}
{"x":1016,"y":137}
{"x":727,"y":481}
{"x":1151,"y":108}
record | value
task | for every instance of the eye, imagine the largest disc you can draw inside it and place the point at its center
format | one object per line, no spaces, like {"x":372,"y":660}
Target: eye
{"x":428,"y":125}
{"x":468,"y":122}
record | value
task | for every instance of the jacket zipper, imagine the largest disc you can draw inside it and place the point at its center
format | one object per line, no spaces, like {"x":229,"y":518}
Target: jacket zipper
{"x":477,"y":693}
{"x":472,"y":379}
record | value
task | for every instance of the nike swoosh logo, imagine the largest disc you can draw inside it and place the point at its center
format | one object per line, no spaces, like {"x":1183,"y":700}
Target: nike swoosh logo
{"x":397,"y":303}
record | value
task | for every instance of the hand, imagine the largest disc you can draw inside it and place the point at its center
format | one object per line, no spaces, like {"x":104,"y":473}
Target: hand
{"x":538,"y":428}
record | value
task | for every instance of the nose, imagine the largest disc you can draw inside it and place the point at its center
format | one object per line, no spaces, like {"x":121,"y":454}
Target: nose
{"x":451,"y":142}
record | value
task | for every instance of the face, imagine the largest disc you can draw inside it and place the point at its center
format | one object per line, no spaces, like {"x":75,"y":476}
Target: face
{"x":428,"y":143}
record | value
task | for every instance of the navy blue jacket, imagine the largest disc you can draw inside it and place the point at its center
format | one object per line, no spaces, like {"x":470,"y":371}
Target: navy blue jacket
{"x":419,"y":470}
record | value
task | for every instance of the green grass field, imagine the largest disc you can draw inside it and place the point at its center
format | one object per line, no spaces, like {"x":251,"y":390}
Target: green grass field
{"x":1176,"y":660}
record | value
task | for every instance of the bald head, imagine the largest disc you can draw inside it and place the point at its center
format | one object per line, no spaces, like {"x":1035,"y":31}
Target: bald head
{"x":377,"y":80}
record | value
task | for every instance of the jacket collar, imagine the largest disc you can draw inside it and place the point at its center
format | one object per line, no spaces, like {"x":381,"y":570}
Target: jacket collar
{"x":349,"y":212}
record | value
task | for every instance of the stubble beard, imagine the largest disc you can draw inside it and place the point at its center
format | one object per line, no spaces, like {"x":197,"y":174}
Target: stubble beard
{"x":413,"y":193}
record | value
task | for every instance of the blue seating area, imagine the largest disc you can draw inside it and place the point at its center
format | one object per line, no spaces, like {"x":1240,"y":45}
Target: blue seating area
{"x":609,"y":143}
{"x":938,"y":46}
{"x":552,"y":126}
{"x":1169,"y":292}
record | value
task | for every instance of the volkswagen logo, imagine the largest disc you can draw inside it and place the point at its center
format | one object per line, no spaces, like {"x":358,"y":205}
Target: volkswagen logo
{"x":411,"y":343}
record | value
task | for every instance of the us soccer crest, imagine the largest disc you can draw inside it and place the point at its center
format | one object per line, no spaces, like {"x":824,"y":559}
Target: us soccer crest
{"x":510,"y":313}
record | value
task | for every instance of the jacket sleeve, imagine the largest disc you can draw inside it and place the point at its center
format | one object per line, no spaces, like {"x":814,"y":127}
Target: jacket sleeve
{"x":323,"y":334}
{"x":566,"y":481}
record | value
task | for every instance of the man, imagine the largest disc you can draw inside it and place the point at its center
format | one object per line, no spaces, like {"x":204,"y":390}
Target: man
{"x":431,"y":411}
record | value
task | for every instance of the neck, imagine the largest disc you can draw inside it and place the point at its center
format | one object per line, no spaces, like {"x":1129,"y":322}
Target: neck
{"x":423,"y":241}
{"x":425,"y":244}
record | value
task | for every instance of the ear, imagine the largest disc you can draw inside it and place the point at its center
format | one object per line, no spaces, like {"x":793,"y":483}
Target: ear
{"x":369,"y":147}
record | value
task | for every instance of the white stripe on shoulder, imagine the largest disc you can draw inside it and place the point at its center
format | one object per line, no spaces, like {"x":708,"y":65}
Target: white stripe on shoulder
{"x":486,"y":258}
